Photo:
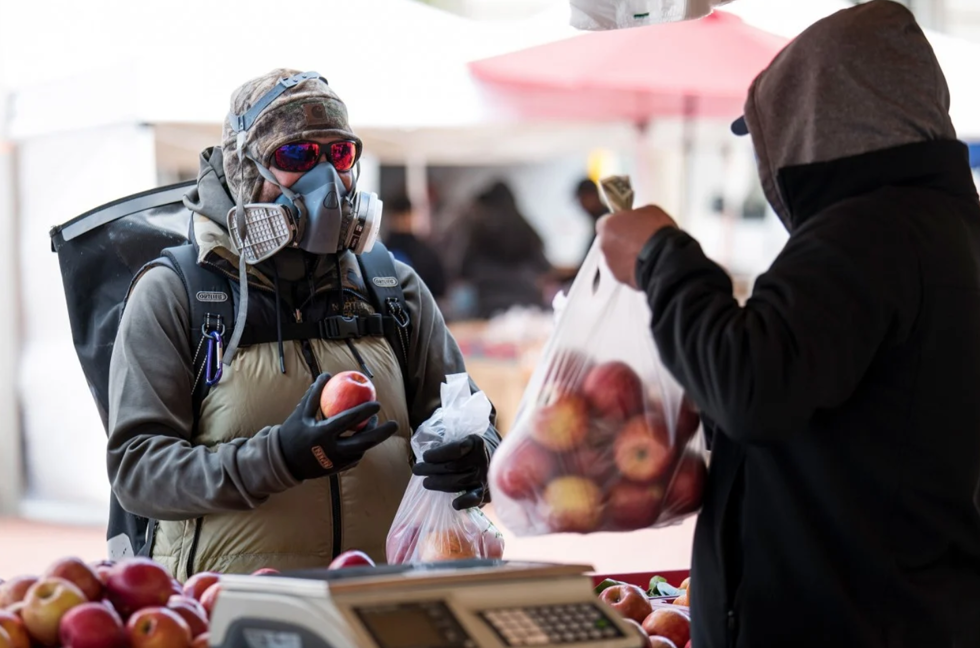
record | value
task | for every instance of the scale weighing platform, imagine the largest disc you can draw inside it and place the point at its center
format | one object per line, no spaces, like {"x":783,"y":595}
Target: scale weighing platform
{"x":456,"y":604}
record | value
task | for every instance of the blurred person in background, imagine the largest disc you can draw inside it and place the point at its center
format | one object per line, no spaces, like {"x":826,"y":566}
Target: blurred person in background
{"x":840,"y":401}
{"x":408,"y":248}
{"x":503,"y":256}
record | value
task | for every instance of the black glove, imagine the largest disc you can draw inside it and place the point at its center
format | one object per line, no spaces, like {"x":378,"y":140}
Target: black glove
{"x":315,"y":448}
{"x":458,"y":466}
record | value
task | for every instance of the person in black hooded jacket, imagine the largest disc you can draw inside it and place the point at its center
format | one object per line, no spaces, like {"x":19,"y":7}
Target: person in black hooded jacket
{"x":841,"y":401}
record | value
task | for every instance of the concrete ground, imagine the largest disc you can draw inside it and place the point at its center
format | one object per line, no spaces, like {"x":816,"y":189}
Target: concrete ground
{"x":28,"y":547}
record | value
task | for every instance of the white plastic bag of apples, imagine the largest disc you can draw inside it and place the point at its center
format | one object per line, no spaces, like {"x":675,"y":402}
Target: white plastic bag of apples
{"x":604,"y":439}
{"x":426,"y":527}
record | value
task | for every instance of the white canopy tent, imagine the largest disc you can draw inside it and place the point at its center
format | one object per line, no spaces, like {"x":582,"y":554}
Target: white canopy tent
{"x":109,"y":87}
{"x":106,"y":89}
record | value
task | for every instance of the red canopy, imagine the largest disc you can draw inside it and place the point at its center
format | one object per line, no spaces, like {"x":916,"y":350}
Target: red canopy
{"x":700,"y":67}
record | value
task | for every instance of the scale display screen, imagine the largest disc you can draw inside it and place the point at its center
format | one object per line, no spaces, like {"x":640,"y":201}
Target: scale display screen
{"x":413,"y":625}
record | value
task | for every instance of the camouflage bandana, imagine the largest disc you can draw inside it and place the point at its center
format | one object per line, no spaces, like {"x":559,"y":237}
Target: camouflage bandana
{"x":309,"y":110}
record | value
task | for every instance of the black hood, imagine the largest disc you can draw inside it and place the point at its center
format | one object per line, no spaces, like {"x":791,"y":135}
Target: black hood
{"x":864,"y":79}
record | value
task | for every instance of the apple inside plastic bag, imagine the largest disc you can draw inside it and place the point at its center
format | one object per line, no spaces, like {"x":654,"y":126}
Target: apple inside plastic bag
{"x":604,"y":439}
{"x":426,"y":528}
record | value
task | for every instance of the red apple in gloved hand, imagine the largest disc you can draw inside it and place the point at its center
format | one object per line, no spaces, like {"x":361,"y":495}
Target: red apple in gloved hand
{"x":351,"y":559}
{"x":344,"y":391}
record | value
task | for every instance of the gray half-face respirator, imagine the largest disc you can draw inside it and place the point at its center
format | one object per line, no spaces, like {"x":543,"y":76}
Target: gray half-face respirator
{"x":316,"y":214}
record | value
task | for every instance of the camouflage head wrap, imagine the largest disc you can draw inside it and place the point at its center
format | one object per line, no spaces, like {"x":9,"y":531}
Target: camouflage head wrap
{"x":308,"y":110}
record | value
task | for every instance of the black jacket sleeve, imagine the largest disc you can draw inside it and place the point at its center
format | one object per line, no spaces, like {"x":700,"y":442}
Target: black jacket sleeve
{"x":845,"y":283}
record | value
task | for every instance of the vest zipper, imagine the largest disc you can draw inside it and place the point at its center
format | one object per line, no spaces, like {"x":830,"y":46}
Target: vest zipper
{"x":315,"y":369}
{"x":335,"y":508}
{"x":192,"y":553}
{"x":337,"y":514}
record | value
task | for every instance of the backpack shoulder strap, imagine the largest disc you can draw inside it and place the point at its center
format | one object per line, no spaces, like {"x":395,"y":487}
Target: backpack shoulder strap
{"x":385,"y":291}
{"x":211,"y":307}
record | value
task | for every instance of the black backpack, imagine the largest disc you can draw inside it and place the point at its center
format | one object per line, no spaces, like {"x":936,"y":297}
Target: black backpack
{"x":103,"y":250}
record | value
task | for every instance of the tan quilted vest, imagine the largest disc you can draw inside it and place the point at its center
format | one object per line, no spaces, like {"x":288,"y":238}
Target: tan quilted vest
{"x":294,"y":529}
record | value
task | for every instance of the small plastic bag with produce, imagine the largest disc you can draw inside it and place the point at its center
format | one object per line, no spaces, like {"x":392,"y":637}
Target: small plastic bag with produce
{"x":426,"y":527}
{"x":604,"y":439}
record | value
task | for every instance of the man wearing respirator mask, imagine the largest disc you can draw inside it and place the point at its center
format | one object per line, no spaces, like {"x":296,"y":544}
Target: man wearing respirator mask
{"x":249,"y":478}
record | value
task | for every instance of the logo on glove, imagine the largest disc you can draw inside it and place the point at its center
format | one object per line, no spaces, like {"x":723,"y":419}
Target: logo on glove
{"x":322,"y":458}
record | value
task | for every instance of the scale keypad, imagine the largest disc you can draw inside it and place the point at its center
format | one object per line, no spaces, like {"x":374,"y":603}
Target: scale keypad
{"x":551,"y":624}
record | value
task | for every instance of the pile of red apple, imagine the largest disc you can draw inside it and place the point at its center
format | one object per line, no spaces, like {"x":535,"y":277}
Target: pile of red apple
{"x":597,"y":454}
{"x":134,"y":603}
{"x":665,"y":625}
{"x":130,"y":604}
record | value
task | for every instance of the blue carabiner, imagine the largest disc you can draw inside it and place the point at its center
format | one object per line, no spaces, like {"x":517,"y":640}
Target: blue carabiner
{"x":212,"y":365}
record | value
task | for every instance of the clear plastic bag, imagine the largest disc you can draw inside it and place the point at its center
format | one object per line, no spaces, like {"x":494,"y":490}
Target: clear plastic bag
{"x":426,"y":527}
{"x":604,"y":439}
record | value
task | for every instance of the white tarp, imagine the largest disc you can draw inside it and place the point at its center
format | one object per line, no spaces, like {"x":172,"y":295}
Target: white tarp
{"x":398,"y":62}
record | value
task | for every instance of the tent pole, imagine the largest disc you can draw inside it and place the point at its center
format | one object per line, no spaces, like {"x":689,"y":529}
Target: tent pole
{"x":642,"y":160}
{"x":687,"y":147}
{"x":11,"y":449}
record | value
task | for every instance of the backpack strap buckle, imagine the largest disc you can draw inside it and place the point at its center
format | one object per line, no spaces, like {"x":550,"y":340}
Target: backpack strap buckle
{"x":339,"y":327}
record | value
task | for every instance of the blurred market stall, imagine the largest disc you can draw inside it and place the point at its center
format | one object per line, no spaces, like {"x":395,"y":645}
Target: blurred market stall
{"x":133,"y":91}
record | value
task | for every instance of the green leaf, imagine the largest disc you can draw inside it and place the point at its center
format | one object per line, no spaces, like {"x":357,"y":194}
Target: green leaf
{"x":606,"y":584}
{"x":656,"y":580}
{"x":666,"y":589}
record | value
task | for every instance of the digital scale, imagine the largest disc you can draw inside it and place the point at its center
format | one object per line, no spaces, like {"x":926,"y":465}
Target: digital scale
{"x":455,"y":604}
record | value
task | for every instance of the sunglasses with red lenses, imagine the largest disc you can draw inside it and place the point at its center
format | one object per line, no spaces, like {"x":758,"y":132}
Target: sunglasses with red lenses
{"x":299,"y":157}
